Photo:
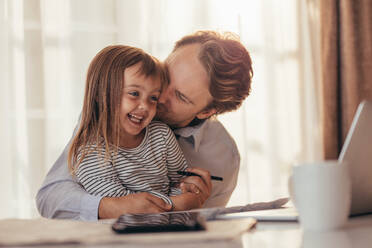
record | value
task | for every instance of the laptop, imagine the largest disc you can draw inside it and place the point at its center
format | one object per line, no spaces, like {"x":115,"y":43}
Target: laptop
{"x":357,"y":152}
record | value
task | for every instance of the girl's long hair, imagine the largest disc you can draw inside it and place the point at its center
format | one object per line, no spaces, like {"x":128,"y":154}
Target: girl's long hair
{"x":99,"y":124}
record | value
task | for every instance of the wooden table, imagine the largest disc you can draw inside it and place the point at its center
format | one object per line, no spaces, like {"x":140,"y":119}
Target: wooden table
{"x":357,"y":233}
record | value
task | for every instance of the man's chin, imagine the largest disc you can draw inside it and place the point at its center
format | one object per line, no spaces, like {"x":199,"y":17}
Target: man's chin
{"x":169,"y":121}
{"x":156,"y":118}
{"x":162,"y":118}
{"x":165,"y":120}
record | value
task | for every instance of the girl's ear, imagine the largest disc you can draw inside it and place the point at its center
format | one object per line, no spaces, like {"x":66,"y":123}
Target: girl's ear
{"x":204,"y":114}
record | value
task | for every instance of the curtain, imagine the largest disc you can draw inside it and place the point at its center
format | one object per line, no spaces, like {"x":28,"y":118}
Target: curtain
{"x":346,"y":39}
{"x":46,"y":47}
{"x":45,"y":50}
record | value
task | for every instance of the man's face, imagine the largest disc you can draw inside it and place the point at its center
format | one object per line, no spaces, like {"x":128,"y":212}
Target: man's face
{"x":187,"y":94}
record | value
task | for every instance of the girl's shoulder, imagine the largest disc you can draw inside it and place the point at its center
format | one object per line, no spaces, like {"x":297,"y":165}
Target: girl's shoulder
{"x":158,"y":129}
{"x":91,"y":150}
{"x":159,"y":126}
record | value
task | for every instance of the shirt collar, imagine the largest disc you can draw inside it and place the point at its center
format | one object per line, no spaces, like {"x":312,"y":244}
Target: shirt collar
{"x":192,"y":134}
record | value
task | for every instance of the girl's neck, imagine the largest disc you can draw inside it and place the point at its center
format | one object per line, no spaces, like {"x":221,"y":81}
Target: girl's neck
{"x":132,"y":141}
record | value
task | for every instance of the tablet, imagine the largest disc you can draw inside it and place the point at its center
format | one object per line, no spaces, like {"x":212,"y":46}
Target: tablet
{"x":162,"y":222}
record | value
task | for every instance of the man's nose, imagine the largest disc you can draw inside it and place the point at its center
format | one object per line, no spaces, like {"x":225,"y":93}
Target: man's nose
{"x":163,"y":98}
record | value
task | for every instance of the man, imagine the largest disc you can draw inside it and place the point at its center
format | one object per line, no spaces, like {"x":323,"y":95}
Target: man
{"x":209,"y":74}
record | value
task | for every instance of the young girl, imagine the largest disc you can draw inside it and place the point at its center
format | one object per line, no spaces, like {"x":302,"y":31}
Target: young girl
{"x":118,"y":149}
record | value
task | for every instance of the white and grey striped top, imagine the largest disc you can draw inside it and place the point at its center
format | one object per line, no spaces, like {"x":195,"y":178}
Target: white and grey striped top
{"x":151,"y":167}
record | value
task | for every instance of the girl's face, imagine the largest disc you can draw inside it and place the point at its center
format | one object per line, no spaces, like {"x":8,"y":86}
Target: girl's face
{"x":139,"y":101}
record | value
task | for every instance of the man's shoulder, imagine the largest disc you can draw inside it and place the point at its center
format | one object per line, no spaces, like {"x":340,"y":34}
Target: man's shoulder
{"x":216,"y":131}
{"x":215,"y":124}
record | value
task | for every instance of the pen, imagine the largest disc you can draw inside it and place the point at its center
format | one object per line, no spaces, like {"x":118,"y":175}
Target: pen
{"x":186,"y":173}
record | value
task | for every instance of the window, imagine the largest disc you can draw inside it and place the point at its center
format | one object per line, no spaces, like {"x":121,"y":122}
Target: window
{"x":46,"y":47}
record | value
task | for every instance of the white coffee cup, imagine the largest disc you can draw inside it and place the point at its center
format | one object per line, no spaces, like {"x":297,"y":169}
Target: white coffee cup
{"x":321,"y":194}
{"x":327,"y":239}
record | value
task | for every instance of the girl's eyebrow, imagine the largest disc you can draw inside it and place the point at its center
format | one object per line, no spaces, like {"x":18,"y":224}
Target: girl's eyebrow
{"x":140,"y":87}
{"x":133,"y":85}
{"x":157,"y":90}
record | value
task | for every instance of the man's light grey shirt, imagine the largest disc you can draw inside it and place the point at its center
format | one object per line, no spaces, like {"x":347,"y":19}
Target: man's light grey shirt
{"x":207,"y":145}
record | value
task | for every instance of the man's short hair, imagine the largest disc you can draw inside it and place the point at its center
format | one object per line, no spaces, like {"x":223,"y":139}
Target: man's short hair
{"x":228,"y":65}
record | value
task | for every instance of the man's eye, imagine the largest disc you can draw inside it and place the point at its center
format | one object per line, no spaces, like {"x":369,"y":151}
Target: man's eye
{"x":180,"y":97}
{"x":133,"y":93}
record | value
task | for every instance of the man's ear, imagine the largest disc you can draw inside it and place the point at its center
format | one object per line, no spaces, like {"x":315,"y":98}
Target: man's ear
{"x":205,"y":114}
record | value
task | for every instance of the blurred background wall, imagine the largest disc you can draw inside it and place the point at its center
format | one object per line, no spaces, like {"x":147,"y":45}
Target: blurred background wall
{"x":46,"y":46}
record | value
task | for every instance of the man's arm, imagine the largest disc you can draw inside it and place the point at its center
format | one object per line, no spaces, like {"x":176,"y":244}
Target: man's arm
{"x":62,"y":197}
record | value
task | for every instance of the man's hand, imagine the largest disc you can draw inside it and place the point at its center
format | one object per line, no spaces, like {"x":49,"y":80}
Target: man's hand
{"x":113,"y":207}
{"x":187,"y":201}
{"x":199,"y":185}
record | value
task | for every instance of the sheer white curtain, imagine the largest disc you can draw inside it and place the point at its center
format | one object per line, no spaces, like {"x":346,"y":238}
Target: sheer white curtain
{"x":46,"y":46}
{"x":278,"y":125}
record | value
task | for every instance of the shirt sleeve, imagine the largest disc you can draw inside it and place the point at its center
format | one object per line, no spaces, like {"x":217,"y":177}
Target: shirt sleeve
{"x":60,"y":195}
{"x":175,"y":162}
{"x":98,"y":176}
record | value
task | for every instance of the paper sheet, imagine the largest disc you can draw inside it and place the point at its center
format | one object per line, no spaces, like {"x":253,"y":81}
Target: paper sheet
{"x":212,"y":213}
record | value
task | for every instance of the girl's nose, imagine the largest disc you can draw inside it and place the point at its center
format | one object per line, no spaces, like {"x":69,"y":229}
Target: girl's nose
{"x":143,"y":105}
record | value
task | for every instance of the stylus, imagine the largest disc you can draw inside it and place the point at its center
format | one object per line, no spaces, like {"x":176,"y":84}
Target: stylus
{"x":187,"y":173}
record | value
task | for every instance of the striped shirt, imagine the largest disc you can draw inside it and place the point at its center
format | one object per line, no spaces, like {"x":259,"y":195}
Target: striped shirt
{"x":151,"y":167}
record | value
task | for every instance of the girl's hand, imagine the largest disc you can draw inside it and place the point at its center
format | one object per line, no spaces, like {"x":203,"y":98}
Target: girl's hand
{"x":113,"y":207}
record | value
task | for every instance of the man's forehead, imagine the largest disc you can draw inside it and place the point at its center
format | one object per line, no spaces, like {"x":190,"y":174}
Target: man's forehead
{"x":187,"y":74}
{"x":188,"y":77}
{"x":186,"y":51}
{"x":187,"y":67}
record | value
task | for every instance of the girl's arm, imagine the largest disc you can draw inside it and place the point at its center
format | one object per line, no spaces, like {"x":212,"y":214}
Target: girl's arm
{"x":98,"y":176}
{"x":176,"y":162}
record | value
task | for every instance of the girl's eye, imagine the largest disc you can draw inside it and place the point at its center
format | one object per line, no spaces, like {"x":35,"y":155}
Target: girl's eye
{"x":133,"y":93}
{"x":154,"y":98}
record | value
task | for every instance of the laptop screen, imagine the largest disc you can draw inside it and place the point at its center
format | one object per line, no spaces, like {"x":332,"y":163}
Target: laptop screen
{"x":357,"y":153}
